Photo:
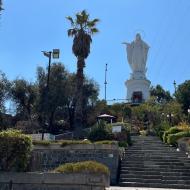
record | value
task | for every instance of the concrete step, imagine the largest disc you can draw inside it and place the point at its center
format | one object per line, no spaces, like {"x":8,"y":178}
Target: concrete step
{"x":153,"y":151}
{"x":155,"y":160}
{"x":154,"y":185}
{"x":156,"y":172}
{"x":155,"y":157}
{"x":141,"y":180}
{"x":162,"y":181}
{"x":155,"y":154}
{"x":143,"y":161}
{"x":128,"y":176}
{"x":155,"y":168}
{"x":151,"y":163}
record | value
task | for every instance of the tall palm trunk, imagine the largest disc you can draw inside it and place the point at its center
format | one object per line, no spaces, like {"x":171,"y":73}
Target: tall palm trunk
{"x":1,"y":8}
{"x":79,"y":95}
{"x":80,"y":74}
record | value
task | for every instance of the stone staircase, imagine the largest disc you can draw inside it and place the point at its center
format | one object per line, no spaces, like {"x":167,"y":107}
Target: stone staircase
{"x":151,"y":163}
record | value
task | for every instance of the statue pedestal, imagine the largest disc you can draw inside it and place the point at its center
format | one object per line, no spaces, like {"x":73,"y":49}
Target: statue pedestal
{"x":138,"y":90}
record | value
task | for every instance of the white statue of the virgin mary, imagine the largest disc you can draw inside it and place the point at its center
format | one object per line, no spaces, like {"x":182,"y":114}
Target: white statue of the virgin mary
{"x":137,"y":52}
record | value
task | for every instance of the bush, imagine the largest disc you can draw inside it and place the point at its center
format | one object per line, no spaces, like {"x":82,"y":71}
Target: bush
{"x":172,"y":130}
{"x":15,"y":149}
{"x":172,"y":138}
{"x":83,"y":167}
{"x":184,"y":126}
{"x":100,"y":132}
{"x":143,"y":132}
{"x":123,"y":136}
{"x":64,"y":143}
{"x":106,"y":142}
{"x":70,"y":142}
{"x":161,"y":128}
{"x":41,"y":142}
{"x":123,"y":144}
{"x":161,"y":134}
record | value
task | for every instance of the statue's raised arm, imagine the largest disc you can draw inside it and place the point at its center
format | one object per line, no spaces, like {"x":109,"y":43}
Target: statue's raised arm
{"x":129,"y":52}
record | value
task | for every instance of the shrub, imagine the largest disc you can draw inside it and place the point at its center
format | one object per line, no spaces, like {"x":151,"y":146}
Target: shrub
{"x":70,"y":142}
{"x":123,"y":136}
{"x":42,"y":142}
{"x":172,"y":138}
{"x":64,"y":143}
{"x":161,"y":128}
{"x":161,"y":134}
{"x":100,"y":132}
{"x":184,"y":126}
{"x":15,"y":149}
{"x":172,"y":130}
{"x":123,"y":144}
{"x":106,"y":142}
{"x":83,"y":167}
{"x":143,"y":133}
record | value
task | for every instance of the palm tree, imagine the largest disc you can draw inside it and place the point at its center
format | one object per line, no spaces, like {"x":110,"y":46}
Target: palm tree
{"x":82,"y":29}
{"x":1,"y":8}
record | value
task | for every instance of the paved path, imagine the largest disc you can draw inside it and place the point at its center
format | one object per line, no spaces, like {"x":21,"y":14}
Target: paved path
{"x":138,"y":188}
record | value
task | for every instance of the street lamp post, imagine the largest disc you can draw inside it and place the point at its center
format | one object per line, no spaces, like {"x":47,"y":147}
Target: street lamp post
{"x":55,"y":54}
{"x":105,"y":82}
{"x":188,"y":114}
{"x":175,"y":87}
{"x":49,"y":54}
{"x":170,"y":117}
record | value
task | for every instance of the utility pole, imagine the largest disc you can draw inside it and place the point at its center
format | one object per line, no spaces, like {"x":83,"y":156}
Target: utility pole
{"x":105,"y":83}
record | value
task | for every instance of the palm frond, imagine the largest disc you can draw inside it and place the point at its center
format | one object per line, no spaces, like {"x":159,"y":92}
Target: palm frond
{"x":94,"y":30}
{"x":79,"y":19}
{"x":85,"y":16}
{"x":92,"y":23}
{"x":82,"y":30}
{"x":71,"y":32}
{"x":70,"y":19}
{"x":96,"y":20}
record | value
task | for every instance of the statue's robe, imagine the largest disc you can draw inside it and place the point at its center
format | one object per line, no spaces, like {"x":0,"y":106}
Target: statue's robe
{"x":137,"y":55}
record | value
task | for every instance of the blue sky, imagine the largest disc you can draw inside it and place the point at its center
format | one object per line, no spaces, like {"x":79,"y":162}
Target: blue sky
{"x":28,"y":27}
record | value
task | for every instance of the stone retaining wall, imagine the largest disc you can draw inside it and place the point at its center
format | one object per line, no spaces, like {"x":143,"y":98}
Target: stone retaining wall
{"x":46,"y":158}
{"x":183,"y":144}
{"x":52,"y":181}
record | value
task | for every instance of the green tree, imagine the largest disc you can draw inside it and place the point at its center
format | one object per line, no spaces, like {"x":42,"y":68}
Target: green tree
{"x":24,"y":95}
{"x":90,"y":90}
{"x":61,"y":98}
{"x":173,"y":112}
{"x":4,"y":90}
{"x":183,"y":95}
{"x":50,"y":104}
{"x":160,"y":94}
{"x":82,"y":29}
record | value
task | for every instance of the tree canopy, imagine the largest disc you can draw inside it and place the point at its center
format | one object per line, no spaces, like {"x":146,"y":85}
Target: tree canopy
{"x":160,"y":94}
{"x":183,"y":95}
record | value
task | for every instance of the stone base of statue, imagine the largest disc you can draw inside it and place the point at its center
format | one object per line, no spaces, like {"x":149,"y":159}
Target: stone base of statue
{"x":138,"y":90}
